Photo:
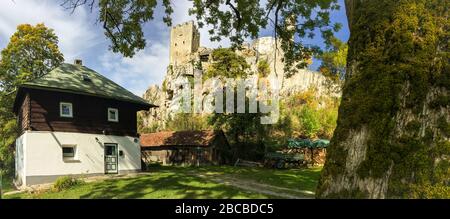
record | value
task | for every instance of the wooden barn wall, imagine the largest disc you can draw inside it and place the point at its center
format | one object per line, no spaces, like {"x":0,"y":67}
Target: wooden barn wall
{"x":89,"y":114}
{"x":180,"y":156}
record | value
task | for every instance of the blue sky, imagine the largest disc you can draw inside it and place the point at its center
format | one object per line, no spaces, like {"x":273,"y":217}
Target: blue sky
{"x":81,"y":37}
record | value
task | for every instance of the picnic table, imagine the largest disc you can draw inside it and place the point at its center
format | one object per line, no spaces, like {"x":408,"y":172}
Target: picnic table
{"x":282,"y":160}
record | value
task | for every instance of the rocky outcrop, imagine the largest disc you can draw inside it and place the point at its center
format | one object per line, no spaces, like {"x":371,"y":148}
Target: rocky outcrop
{"x":199,"y":58}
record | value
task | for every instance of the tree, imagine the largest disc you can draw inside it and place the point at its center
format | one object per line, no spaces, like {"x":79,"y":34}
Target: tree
{"x":226,"y":64}
{"x":245,"y":129}
{"x":392,"y":138}
{"x":307,"y":114}
{"x":31,"y":53}
{"x":334,"y":60}
{"x":123,"y":21}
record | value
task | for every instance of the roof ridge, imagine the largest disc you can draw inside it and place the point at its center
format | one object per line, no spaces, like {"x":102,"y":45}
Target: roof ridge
{"x":64,"y":78}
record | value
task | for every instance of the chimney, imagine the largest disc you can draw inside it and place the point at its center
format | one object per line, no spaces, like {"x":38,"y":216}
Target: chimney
{"x":78,"y":62}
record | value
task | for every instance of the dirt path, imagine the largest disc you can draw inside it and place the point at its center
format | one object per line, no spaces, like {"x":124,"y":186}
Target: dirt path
{"x":256,"y":187}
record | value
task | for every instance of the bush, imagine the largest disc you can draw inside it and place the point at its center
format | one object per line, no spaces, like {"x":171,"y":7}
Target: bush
{"x":66,"y":182}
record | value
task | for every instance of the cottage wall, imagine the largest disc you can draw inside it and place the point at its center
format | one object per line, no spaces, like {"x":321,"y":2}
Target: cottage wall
{"x":42,"y":151}
{"x":89,"y":114}
{"x":20,"y":175}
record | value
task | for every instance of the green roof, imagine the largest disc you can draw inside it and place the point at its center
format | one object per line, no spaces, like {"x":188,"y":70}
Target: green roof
{"x":79,"y":79}
{"x":307,"y":143}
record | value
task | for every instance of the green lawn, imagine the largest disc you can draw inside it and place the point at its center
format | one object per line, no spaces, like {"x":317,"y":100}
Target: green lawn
{"x":187,"y":182}
{"x":7,"y":183}
{"x":299,"y":179}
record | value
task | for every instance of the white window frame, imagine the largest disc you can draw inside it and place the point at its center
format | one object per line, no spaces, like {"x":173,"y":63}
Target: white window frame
{"x":61,"y":109}
{"x":117,"y":115}
{"x":75,"y":153}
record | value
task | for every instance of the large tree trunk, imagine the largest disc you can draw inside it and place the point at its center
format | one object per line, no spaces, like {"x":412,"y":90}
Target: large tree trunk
{"x":392,"y":135}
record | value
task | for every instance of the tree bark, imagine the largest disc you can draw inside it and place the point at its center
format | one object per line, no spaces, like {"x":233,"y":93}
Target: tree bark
{"x":392,"y":134}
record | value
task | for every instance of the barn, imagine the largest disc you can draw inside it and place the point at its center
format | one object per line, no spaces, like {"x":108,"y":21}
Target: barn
{"x":185,"y":147}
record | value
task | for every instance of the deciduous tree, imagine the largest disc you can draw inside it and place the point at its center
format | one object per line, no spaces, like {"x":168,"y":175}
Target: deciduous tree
{"x":392,"y":136}
{"x":32,"y":52}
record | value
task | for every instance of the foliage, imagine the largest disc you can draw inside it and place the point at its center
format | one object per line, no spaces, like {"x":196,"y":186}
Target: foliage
{"x":309,"y":120}
{"x":334,"y":60}
{"x":244,"y":130}
{"x":32,"y":52}
{"x":263,"y":68}
{"x":66,"y":182}
{"x":187,"y":122}
{"x":141,"y":128}
{"x":305,"y":114}
{"x":123,"y":22}
{"x":226,"y":64}
{"x":246,"y":18}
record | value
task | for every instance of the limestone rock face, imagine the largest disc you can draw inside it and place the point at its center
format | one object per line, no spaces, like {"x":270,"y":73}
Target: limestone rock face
{"x":187,"y":56}
{"x":154,"y":95}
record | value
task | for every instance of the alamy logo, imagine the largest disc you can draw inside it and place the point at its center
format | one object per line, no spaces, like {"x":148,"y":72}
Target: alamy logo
{"x":228,"y":95}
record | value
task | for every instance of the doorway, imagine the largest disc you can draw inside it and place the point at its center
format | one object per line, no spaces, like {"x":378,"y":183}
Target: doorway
{"x":111,"y":158}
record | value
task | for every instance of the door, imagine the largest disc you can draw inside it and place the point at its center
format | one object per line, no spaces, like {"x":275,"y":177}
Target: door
{"x":111,"y":158}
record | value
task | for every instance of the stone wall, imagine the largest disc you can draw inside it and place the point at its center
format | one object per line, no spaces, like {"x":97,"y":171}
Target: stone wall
{"x":184,"y":41}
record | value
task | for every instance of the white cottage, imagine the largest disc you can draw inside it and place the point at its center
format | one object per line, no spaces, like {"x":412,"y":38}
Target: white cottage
{"x":76,"y":122}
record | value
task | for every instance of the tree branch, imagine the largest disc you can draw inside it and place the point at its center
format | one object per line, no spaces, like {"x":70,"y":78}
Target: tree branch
{"x":74,"y":4}
{"x":236,"y":12}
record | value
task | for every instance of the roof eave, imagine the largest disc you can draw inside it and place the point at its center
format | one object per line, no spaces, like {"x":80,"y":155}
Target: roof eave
{"x":145,"y":105}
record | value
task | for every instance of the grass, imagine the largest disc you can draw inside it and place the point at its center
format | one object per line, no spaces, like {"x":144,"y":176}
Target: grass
{"x":185,"y":182}
{"x":298,"y":179}
{"x":7,"y":183}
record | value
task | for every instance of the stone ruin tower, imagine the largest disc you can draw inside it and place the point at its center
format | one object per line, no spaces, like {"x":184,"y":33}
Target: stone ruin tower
{"x":184,"y":41}
{"x":184,"y":47}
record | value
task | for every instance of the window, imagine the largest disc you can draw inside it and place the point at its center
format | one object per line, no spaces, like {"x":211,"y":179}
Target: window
{"x":113,"y":115}
{"x":204,"y":58}
{"x":65,"y":110}
{"x":86,"y":78}
{"x":68,"y":151}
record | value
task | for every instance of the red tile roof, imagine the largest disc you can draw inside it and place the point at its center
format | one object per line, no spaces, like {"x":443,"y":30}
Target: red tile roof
{"x":180,"y":138}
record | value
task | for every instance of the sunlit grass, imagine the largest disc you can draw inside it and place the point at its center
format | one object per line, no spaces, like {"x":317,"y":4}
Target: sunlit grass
{"x":186,"y":182}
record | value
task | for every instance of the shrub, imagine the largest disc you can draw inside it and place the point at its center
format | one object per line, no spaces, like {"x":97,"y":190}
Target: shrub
{"x":66,"y":182}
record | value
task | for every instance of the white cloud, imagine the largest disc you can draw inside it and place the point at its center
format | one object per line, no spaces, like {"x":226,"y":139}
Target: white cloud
{"x":80,"y":37}
{"x":136,"y":74}
{"x":77,"y":32}
{"x":149,"y":66}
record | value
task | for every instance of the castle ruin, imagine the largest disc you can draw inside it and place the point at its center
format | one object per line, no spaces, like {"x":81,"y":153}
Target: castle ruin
{"x":185,"y":51}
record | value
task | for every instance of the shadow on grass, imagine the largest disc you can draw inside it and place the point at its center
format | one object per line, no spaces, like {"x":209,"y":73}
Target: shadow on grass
{"x":300,"y":179}
{"x":187,"y":183}
{"x":165,"y":183}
